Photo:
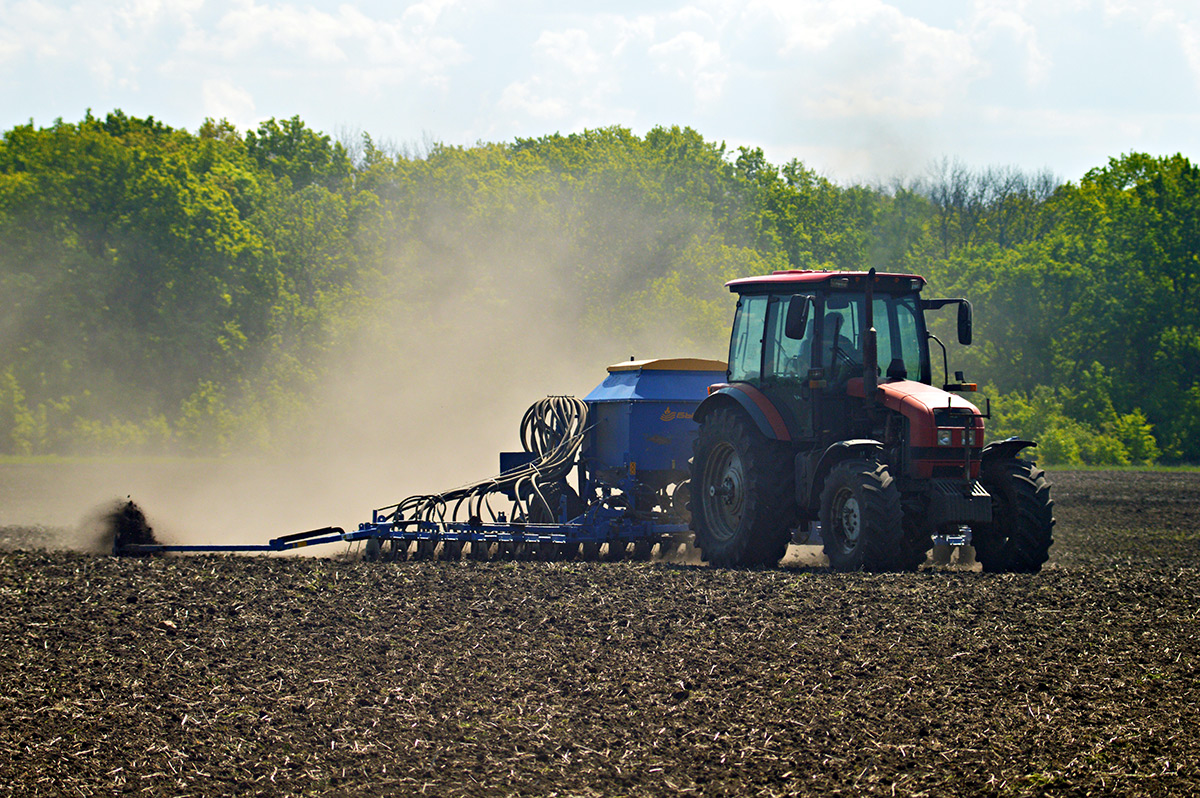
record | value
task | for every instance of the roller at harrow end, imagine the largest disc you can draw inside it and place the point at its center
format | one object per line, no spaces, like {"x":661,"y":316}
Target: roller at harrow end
{"x":126,"y":526}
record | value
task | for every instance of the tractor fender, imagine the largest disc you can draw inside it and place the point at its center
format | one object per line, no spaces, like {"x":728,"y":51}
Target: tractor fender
{"x":1005,"y":449}
{"x":753,"y":402}
{"x":810,"y":478}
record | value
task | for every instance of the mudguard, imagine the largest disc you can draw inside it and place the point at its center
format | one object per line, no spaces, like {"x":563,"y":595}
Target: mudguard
{"x":810,"y":479}
{"x":1002,"y":450}
{"x":757,"y":406}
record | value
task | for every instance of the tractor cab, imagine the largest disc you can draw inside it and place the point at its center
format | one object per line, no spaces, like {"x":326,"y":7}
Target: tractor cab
{"x":808,"y":340}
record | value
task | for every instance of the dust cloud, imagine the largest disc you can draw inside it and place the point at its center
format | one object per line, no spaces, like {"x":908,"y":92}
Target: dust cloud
{"x":469,"y":326}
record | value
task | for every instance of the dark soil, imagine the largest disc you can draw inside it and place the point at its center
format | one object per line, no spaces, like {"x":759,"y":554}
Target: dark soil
{"x":223,"y":675}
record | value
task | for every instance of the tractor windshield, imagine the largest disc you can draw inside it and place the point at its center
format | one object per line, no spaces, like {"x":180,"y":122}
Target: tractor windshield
{"x":759,"y":348}
{"x":900,"y":333}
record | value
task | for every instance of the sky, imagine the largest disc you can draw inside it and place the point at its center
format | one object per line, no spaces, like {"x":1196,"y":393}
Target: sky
{"x":860,"y":90}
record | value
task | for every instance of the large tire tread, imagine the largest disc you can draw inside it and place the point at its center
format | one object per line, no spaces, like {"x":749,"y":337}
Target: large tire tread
{"x":1019,"y":537}
{"x":880,"y":546}
{"x":770,"y":511}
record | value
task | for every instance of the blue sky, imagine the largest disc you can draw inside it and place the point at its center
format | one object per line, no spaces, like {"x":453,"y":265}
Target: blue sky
{"x":858,"y":89}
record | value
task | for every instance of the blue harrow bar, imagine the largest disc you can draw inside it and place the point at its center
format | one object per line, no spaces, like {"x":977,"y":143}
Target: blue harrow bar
{"x":583,"y":530}
{"x":597,"y":525}
{"x":314,"y":537}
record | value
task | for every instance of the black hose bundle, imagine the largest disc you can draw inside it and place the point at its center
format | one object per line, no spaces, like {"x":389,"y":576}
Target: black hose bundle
{"x":552,"y":430}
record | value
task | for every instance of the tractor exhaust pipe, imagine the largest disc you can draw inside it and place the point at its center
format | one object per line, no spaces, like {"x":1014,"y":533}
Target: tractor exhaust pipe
{"x":870,"y":353}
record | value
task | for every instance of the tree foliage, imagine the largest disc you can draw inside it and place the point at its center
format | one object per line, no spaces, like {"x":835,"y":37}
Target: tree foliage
{"x":167,"y":289}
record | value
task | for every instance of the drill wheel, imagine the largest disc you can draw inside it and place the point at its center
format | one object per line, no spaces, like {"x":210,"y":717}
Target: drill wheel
{"x":396,"y":550}
{"x":425,"y":549}
{"x":641,"y":550}
{"x":615,"y":551}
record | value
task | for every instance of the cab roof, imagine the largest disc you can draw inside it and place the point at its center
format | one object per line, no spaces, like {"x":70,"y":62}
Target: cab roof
{"x":813,"y":279}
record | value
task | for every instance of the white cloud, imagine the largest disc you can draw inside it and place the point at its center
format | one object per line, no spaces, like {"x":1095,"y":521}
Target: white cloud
{"x":90,"y":37}
{"x":526,"y":98}
{"x":694,"y":60}
{"x":691,"y":17}
{"x":224,"y":100}
{"x":864,"y":58}
{"x":291,"y":37}
{"x":571,"y":49}
{"x":815,"y":25}
{"x":573,"y":77}
{"x":629,"y":31}
{"x":425,"y":15}
{"x":1007,"y":19}
{"x":1180,"y":18}
{"x":10,"y":48}
{"x":305,"y":32}
{"x":862,"y":83}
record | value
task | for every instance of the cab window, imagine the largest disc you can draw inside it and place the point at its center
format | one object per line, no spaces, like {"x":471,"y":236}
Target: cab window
{"x":787,"y":357}
{"x":746,"y":343}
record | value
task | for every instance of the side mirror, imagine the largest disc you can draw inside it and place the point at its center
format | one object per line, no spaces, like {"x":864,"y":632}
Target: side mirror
{"x":797,"y":316}
{"x":964,"y":322}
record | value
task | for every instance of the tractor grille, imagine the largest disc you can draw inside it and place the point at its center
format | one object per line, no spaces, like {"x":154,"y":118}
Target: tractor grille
{"x":952,"y":501}
{"x":946,"y":417}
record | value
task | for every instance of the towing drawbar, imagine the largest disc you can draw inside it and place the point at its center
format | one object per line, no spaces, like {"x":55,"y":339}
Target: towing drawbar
{"x":313,"y":537}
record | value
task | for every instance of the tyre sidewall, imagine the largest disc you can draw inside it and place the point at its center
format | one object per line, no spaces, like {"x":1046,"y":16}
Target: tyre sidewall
{"x":880,"y":536}
{"x":1019,"y":537}
{"x":761,"y":534}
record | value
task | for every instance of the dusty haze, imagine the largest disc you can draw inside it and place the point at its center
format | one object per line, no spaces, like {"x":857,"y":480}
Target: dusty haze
{"x":481,"y":320}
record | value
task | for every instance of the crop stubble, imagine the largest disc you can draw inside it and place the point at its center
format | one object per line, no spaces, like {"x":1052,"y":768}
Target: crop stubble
{"x":256,"y":675}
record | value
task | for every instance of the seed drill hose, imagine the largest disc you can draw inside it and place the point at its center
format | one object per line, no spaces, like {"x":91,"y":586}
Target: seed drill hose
{"x":552,"y":430}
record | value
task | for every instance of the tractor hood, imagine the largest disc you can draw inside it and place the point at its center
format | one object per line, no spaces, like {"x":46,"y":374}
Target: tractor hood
{"x":927,"y":408}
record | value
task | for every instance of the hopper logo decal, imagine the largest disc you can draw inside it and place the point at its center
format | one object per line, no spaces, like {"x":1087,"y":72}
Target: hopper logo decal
{"x":671,"y":415}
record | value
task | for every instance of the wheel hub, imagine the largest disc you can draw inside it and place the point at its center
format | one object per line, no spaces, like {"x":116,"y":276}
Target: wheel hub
{"x":725,"y":493}
{"x":727,"y":490}
{"x":849,"y":520}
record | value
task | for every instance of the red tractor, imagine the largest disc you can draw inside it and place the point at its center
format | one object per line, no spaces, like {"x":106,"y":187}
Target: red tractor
{"x":829,"y":415}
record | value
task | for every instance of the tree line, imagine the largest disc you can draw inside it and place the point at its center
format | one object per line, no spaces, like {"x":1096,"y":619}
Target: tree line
{"x":168,"y":290}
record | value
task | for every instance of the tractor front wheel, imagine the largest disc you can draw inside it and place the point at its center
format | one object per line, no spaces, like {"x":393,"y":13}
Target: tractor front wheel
{"x":1019,"y":537}
{"x":742,"y":504}
{"x":862,"y":523}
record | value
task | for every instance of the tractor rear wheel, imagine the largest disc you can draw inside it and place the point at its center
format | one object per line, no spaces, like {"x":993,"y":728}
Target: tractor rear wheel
{"x":742,"y":503}
{"x":1019,"y":537}
{"x":861,"y":518}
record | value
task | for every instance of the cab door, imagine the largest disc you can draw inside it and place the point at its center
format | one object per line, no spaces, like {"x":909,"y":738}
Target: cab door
{"x":786,"y":363}
{"x":746,"y":339}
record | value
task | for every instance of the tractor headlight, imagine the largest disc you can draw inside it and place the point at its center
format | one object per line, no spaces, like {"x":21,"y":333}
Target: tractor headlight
{"x":945,"y":437}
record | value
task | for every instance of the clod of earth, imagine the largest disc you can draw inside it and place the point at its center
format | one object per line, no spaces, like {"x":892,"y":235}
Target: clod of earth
{"x":126,"y":525}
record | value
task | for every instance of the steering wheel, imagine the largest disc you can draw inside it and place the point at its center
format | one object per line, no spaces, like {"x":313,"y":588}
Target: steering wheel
{"x":843,"y":355}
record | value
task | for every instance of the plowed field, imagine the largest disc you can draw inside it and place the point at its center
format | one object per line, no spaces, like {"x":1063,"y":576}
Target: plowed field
{"x":215,"y":675}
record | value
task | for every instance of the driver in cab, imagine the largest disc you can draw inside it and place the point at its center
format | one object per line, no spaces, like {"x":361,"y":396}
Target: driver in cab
{"x":838,"y":353}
